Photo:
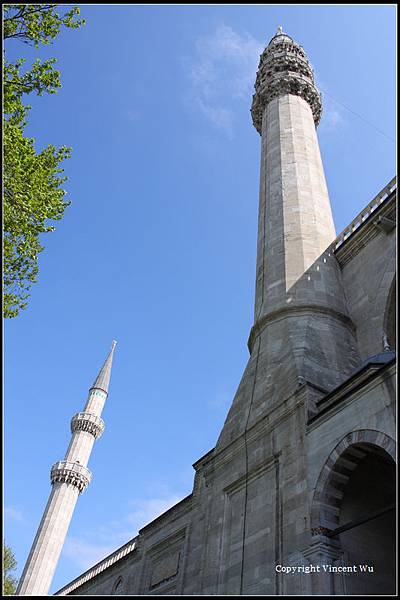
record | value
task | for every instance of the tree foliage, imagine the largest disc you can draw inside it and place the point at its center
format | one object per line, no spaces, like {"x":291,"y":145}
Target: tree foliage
{"x":9,"y":564}
{"x":32,"y":180}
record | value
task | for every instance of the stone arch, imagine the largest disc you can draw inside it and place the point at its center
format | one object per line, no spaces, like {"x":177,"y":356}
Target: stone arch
{"x":336,"y":473}
{"x":118,"y":587}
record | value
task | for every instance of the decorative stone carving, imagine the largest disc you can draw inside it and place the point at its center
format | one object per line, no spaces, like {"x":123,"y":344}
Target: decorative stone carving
{"x":84,"y":421}
{"x":385,"y":343}
{"x":320,"y":531}
{"x":284,"y":69}
{"x":324,"y":551}
{"x":70,"y":472}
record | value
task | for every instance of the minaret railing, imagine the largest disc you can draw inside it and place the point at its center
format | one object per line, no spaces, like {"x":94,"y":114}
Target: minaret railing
{"x":65,"y":471}
{"x":84,"y":421}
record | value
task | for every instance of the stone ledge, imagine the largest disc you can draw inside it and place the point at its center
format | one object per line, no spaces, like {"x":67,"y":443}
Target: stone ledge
{"x":259,"y":326}
{"x":369,"y":370}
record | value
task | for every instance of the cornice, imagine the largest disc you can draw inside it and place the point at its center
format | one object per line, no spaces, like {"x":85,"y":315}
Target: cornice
{"x":172,"y":514}
{"x":367,"y":231}
{"x":101,"y":566}
{"x":279,"y":313}
{"x":366,"y":376}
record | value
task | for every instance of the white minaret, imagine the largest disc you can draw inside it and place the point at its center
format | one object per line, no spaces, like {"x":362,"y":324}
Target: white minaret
{"x":69,"y":478}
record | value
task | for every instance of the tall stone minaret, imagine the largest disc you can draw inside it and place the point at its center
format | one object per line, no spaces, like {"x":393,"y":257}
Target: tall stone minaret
{"x":302,"y":331}
{"x":295,"y":217}
{"x":69,"y":478}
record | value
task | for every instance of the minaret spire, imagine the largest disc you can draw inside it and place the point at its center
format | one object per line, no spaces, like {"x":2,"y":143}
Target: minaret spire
{"x":102,"y":380}
{"x":69,"y":478}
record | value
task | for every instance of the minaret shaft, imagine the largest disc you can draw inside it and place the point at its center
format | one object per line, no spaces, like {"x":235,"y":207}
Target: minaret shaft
{"x":302,"y":333}
{"x":47,"y":545}
{"x":80,"y":447}
{"x":295,"y":218}
{"x":95,"y":401}
{"x":69,"y":478}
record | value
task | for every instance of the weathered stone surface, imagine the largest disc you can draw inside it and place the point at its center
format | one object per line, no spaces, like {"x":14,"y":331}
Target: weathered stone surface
{"x":313,"y":405}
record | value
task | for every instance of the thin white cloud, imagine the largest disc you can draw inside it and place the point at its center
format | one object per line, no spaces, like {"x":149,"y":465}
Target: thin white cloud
{"x":14,"y":514}
{"x":222,"y":399}
{"x":222,"y":118}
{"x":332,"y":117}
{"x":85,"y":554}
{"x":222,"y":70}
{"x":91,"y":547}
{"x":144,"y":511}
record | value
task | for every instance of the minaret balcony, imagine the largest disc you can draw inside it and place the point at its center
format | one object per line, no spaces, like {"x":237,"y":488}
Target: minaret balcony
{"x":65,"y":471}
{"x":89,"y":422}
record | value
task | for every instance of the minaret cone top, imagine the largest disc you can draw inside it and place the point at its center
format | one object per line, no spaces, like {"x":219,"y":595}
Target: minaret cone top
{"x":103,"y":378}
{"x":280,"y":36}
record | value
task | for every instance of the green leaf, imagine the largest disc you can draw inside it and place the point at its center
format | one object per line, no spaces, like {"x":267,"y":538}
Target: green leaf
{"x":31,"y":180}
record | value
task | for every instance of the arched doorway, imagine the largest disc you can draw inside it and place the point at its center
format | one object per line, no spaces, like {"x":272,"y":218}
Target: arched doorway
{"x":368,"y":519}
{"x":355,"y":504}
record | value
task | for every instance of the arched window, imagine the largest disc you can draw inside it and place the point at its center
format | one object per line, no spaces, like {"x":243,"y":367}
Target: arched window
{"x":118,"y":588}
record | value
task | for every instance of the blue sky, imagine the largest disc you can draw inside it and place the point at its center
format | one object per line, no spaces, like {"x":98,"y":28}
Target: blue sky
{"x":157,"y":249}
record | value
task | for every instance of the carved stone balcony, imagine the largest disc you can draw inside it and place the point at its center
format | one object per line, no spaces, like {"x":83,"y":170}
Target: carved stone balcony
{"x":84,"y":421}
{"x":284,"y":69}
{"x":71,"y":472}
